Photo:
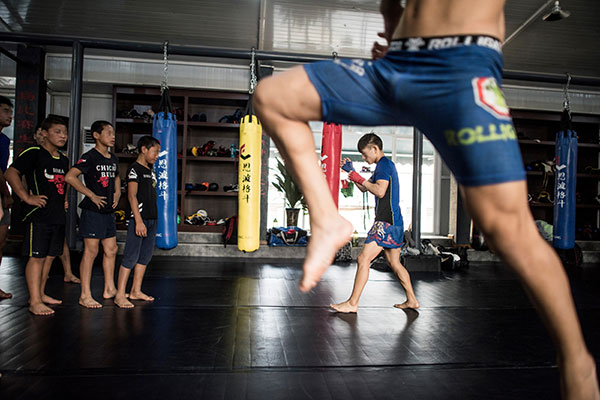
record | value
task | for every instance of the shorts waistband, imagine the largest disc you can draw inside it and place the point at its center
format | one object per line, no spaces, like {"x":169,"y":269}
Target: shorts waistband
{"x":445,"y":42}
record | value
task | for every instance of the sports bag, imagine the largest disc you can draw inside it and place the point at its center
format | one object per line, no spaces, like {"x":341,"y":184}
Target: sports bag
{"x":287,"y":236}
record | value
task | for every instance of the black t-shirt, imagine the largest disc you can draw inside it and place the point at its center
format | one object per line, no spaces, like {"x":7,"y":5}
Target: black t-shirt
{"x":146,"y":193}
{"x":99,"y":175}
{"x":45,"y":175}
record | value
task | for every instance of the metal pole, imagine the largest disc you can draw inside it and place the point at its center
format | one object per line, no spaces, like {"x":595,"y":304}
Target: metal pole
{"x":74,"y":135}
{"x":549,"y":78}
{"x":148,"y":47}
{"x":11,"y":56}
{"x":417,"y":183}
{"x":463,"y":222}
{"x":197,"y":51}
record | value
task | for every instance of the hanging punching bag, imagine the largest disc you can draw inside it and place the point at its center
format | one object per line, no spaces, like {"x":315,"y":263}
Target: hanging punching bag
{"x":565,"y":181}
{"x":331,"y":153}
{"x":249,"y":181}
{"x":164,"y":128}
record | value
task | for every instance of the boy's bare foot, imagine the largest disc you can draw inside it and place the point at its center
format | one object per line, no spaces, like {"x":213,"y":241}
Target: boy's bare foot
{"x":408,"y":304}
{"x":579,"y":380}
{"x":50,"y":300}
{"x":122,"y":302}
{"x":71,"y":279}
{"x":89,"y":302}
{"x":5,"y":295}
{"x":109,"y":294}
{"x":344,"y":307}
{"x":326,"y":239}
{"x":140,"y":296}
{"x":40,"y":309}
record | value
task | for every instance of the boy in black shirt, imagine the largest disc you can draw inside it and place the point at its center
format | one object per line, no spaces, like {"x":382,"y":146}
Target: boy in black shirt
{"x":65,"y":258}
{"x":44,"y":168}
{"x":141,"y":232}
{"x":102,"y":191}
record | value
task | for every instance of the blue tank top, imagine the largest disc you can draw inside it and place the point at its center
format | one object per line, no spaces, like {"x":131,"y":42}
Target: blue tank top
{"x":387,"y":209}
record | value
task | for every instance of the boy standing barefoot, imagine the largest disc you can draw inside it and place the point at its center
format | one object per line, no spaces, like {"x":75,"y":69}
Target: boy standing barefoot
{"x":44,"y":169}
{"x":387,"y":232}
{"x":102,"y":191}
{"x":65,"y":258}
{"x":141,"y":231}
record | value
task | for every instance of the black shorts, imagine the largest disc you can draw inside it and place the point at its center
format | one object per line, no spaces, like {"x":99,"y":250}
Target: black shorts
{"x":43,"y":240}
{"x":95,"y":225}
{"x":138,"y":250}
{"x":5,"y":220}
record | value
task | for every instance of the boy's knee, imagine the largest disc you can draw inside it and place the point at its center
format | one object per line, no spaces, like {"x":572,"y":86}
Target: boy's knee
{"x":110,"y":251}
{"x":90,"y":250}
{"x":505,"y":230}
{"x":363,"y":259}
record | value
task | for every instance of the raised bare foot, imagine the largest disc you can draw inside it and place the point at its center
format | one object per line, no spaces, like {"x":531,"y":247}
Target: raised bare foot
{"x":122,"y":302}
{"x":344,"y":307}
{"x":5,"y":295}
{"x":109,"y":293}
{"x":140,"y":296}
{"x":89,"y":302}
{"x":579,"y":380}
{"x":408,"y":304}
{"x":71,"y":279}
{"x":50,"y":300}
{"x":40,"y":309}
{"x":326,"y":239}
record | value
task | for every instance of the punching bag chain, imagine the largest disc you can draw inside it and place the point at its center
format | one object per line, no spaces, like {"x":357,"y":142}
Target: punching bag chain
{"x":163,"y":84}
{"x":253,"y":80}
{"x":566,"y":104}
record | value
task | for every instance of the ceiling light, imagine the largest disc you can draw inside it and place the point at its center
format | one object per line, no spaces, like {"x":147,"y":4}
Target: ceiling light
{"x":557,"y":13}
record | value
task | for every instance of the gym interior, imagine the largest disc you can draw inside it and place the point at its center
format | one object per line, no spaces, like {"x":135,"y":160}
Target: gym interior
{"x":229,"y":322}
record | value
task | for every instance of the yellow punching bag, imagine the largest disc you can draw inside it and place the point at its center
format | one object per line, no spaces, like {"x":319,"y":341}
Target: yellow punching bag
{"x":249,"y":183}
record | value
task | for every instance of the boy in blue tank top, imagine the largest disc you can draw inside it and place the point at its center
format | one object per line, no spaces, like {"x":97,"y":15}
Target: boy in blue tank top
{"x":387,"y":232}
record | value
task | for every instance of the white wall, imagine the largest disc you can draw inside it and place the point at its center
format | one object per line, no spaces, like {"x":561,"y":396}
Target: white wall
{"x":93,"y":107}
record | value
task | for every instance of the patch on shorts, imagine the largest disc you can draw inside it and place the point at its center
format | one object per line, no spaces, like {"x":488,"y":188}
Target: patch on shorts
{"x":489,"y":96}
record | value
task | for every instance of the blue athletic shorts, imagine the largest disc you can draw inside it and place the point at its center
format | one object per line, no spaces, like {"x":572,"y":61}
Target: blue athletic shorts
{"x":138,"y":250}
{"x":448,"y":88}
{"x":96,"y":225}
{"x":386,"y":235}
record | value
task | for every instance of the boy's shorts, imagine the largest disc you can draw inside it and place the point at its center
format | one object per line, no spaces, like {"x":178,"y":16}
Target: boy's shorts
{"x":138,"y":250}
{"x":95,"y":225}
{"x":43,"y":240}
{"x":448,"y":88}
{"x":386,"y":235}
{"x":5,"y":220}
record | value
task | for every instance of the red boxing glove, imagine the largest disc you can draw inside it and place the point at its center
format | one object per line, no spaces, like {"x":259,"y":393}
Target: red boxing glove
{"x":355,"y":177}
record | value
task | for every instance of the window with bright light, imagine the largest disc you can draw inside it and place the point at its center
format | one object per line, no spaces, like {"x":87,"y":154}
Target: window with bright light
{"x":360,"y":208}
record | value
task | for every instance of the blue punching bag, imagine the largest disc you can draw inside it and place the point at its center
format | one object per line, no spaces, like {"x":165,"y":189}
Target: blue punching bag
{"x":564,"y":185}
{"x":164,"y":128}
